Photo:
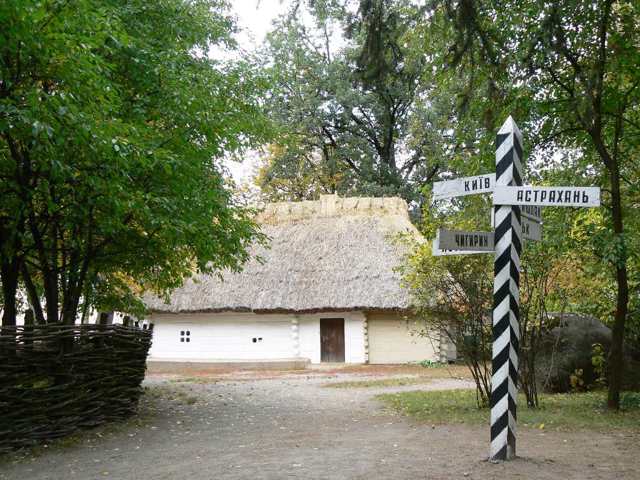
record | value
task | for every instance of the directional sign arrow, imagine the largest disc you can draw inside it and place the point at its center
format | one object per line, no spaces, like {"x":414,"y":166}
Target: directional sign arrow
{"x":547,"y":196}
{"x":464,"y":186}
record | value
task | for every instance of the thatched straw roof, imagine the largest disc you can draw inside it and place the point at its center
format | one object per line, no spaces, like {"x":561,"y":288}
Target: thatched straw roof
{"x":327,"y":255}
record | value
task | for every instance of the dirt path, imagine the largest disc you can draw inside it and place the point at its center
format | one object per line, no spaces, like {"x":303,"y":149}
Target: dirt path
{"x":293,"y":427}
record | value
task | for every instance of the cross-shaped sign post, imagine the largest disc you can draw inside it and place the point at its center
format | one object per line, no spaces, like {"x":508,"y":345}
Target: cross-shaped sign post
{"x":516,"y":215}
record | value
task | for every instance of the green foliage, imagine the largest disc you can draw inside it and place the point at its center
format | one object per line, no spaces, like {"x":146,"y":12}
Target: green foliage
{"x":291,"y":173}
{"x":452,"y":296}
{"x":112,"y":124}
{"x":431,"y":364}
{"x":630,"y":401}
{"x":545,"y":269}
{"x":347,"y":99}
{"x":383,"y":383}
{"x":576,"y":379}
{"x":568,"y":71}
{"x":599,"y":360}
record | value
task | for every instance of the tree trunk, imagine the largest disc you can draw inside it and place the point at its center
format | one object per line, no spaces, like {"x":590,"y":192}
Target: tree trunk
{"x":105,"y":318}
{"x":51,"y":295}
{"x":616,"y":356}
{"x":9,"y":275}
{"x":388,"y":153}
{"x":32,"y":293}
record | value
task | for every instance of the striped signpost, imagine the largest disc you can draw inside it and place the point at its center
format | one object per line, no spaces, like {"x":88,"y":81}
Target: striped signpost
{"x":506,"y":297}
{"x":516,"y":215}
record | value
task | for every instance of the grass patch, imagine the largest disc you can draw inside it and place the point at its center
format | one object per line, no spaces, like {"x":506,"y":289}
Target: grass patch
{"x":581,"y":411}
{"x":419,"y":375}
{"x":432,"y":364}
{"x":385,"y":382}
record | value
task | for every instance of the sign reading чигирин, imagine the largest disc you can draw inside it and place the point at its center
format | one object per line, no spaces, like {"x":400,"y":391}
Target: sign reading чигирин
{"x":465,"y":241}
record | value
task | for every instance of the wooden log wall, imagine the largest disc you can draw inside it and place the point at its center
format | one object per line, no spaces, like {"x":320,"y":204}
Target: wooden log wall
{"x":57,"y":379}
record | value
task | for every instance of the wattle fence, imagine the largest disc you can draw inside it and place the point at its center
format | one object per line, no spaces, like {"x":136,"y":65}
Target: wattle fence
{"x":56,"y":379}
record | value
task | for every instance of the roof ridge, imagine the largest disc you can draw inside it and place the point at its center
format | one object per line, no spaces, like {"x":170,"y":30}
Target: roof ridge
{"x":333,"y":206}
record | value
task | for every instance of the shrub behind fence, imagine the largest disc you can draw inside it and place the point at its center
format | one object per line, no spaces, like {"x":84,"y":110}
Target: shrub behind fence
{"x":56,"y":379}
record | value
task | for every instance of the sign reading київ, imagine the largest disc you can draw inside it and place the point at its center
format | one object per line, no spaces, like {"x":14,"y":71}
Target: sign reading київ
{"x":460,"y":187}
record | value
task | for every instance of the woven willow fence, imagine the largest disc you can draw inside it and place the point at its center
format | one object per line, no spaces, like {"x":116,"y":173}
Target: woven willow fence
{"x":56,"y":379}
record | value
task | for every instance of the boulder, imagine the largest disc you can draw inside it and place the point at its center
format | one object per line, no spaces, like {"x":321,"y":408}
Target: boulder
{"x":567,"y":348}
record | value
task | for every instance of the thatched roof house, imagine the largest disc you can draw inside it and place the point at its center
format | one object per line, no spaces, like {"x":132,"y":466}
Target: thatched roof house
{"x":334,"y":254}
{"x":326,"y":287}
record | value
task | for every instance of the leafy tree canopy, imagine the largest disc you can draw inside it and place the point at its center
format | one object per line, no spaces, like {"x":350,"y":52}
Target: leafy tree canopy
{"x":347,"y":89}
{"x":112,"y":118}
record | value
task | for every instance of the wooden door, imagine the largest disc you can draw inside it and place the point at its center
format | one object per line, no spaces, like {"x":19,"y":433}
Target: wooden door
{"x":332,"y":339}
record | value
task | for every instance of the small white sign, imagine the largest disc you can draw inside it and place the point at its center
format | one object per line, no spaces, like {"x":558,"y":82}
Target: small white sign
{"x":532,"y":212}
{"x":464,"y":186}
{"x":547,"y":196}
{"x":458,"y":240}
{"x":531,"y":230}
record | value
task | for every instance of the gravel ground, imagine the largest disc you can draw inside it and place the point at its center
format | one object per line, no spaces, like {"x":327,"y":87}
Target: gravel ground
{"x":292,"y":427}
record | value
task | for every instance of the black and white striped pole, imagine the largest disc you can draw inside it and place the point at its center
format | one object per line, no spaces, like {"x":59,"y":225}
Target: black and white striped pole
{"x":506,"y":297}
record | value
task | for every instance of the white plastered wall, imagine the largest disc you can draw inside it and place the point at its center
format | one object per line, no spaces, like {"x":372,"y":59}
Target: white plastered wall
{"x":221,"y":337}
{"x":229,"y":336}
